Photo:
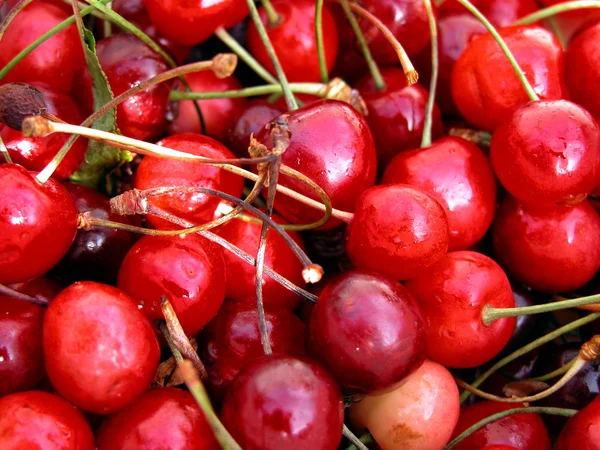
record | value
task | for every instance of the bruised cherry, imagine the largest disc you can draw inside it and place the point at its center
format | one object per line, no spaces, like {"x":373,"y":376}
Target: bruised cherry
{"x":581,"y":431}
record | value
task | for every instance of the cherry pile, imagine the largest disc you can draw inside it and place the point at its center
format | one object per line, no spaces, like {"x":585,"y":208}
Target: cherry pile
{"x":300,"y":224}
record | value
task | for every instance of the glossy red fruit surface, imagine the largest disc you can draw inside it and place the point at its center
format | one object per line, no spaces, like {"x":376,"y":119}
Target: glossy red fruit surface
{"x":162,"y":418}
{"x":582,"y":431}
{"x":342,"y":163}
{"x":570,"y":23}
{"x":397,"y":230}
{"x":452,"y":295}
{"x":100,"y":349}
{"x":501,"y":13}
{"x":194,"y":207}
{"x":549,"y":249}
{"x":39,"y":420}
{"x":459,"y":176}
{"x":231,"y":341}
{"x":486,"y":89}
{"x":281,"y":402}
{"x":37,"y":224}
{"x":189,"y":271}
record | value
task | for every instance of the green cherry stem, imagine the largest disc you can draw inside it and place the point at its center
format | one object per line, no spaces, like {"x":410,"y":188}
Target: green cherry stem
{"x":357,"y":443}
{"x":107,"y":26}
{"x":551,"y":11}
{"x":273,"y":17}
{"x":319,"y":39}
{"x":426,"y":138}
{"x":555,"y":373}
{"x":302,"y":88}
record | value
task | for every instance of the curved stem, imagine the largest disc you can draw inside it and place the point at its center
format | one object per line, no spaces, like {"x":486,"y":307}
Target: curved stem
{"x":319,"y":39}
{"x":356,"y":442}
{"x":551,"y":11}
{"x":303,"y":88}
{"x":5,"y":290}
{"x":560,"y":371}
{"x":426,"y":138}
{"x":273,"y":17}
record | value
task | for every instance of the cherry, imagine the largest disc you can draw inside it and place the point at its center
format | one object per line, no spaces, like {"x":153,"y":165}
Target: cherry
{"x":486,"y":89}
{"x":278,"y":256}
{"x":550,"y":249}
{"x":458,"y":175}
{"x":452,"y":295}
{"x":570,"y":23}
{"x":420,"y":413}
{"x":342,"y":163}
{"x":154,"y":172}
{"x":327,"y":248}
{"x":368,"y":331}
{"x":499,"y":447}
{"x":161,"y":418}
{"x":37,"y":419}
{"x":397,"y":114}
{"x":282,"y":402}
{"x":501,"y":13}
{"x":37,"y":224}
{"x":56,"y":61}
{"x":519,"y":369}
{"x":397,"y":230}
{"x":231,"y":341}
{"x":100,"y":349}
{"x":524,"y":431}
{"x":525,"y":324}
{"x":581,"y":431}
{"x":188,"y":270}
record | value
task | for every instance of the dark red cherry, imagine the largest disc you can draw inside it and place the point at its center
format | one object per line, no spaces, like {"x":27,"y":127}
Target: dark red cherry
{"x":100,"y":349}
{"x":458,"y":175}
{"x":397,"y":230}
{"x":198,"y":208}
{"x":188,"y":270}
{"x":367,"y":330}
{"x":56,"y":61}
{"x":553,"y":249}
{"x":42,"y":288}
{"x":282,"y":402}
{"x":570,"y":23}
{"x":231,"y":341}
{"x":486,"y":89}
{"x":37,"y":224}
{"x":581,"y":431}
{"x":518,"y":369}
{"x":452,"y":295}
{"x":342,"y":163}
{"x":162,"y":418}
{"x":524,"y":431}
{"x":39,"y":420}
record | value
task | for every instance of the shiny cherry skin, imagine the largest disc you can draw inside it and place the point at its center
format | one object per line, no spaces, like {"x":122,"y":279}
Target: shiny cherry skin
{"x":501,"y":13}
{"x":197,"y":208}
{"x":188,"y":270}
{"x":162,"y":418}
{"x":452,"y":295}
{"x":41,"y":420}
{"x":100,"y":349}
{"x":581,"y":431}
{"x":547,"y":152}
{"x":458,"y":175}
{"x":282,"y":402}
{"x":278,"y":256}
{"x":486,"y":89}
{"x":397,"y":230}
{"x":524,"y":431}
{"x":549,"y":249}
{"x":219,"y":114}
{"x":397,"y":114}
{"x":56,"y":61}
{"x":341,"y":163}
{"x":295,"y":30}
{"x":499,"y":447}
{"x":231,"y":341}
{"x":192,"y":22}
{"x":368,"y":331}
{"x":37,"y":224}
{"x":570,"y":23}
{"x":420,"y":413}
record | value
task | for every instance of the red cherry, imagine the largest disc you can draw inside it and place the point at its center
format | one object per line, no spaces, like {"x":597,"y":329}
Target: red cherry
{"x":582,"y":431}
{"x":501,"y":13}
{"x":37,"y":224}
{"x":42,"y":288}
{"x":524,"y":431}
{"x":189,"y":271}
{"x":282,"y":402}
{"x":41,"y":420}
{"x":452,"y":295}
{"x":368,"y":331}
{"x":162,"y":418}
{"x":397,"y":230}
{"x":457,"y":174}
{"x":550,"y":249}
{"x":100,"y":350}
{"x":499,"y":447}
{"x":156,"y":172}
{"x":570,"y":23}
{"x":486,"y":89}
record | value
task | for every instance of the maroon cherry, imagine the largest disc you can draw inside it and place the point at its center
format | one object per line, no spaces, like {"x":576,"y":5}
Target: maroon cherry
{"x":37,"y":224}
{"x":282,"y":402}
{"x":100,"y":349}
{"x":39,"y":420}
{"x":162,"y":418}
{"x":189,"y":271}
{"x":581,"y":431}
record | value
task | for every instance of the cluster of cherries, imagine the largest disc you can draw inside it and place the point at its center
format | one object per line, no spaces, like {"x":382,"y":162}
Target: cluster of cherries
{"x":436,"y":235}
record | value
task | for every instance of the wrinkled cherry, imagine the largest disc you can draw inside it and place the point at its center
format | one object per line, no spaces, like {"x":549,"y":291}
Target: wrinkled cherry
{"x":581,"y":431}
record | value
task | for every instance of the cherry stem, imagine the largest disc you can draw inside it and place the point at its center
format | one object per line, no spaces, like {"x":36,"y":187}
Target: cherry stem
{"x":319,"y":39}
{"x":5,"y":290}
{"x":303,"y":88}
{"x":560,"y":371}
{"x":12,"y":14}
{"x":479,"y":138}
{"x":356,"y":442}
{"x":551,"y":11}
{"x":4,"y":152}
{"x":426,"y":138}
{"x":565,"y":412}
{"x":273,"y":17}
{"x":513,"y":62}
{"x":107,"y":26}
